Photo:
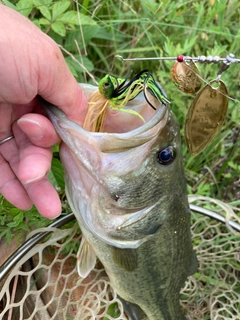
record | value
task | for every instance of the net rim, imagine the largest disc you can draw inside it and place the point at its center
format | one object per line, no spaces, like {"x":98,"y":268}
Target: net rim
{"x":8,"y":265}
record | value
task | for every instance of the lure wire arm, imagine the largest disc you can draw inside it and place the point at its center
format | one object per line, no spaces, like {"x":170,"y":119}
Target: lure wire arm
{"x":201,"y":59}
{"x":230,"y":58}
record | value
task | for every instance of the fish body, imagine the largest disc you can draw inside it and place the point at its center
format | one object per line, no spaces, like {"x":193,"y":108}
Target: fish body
{"x":128,"y":193}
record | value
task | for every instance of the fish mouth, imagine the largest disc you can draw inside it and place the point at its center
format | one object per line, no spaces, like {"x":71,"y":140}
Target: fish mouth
{"x":92,"y":159}
{"x":121,"y":132}
{"x":123,"y":121}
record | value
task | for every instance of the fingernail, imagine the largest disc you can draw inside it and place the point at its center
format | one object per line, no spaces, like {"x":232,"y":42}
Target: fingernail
{"x":55,"y":216}
{"x":32,"y":128}
{"x":39,"y":177}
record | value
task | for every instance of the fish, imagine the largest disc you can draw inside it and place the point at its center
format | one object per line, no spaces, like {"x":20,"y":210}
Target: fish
{"x":128,"y":192}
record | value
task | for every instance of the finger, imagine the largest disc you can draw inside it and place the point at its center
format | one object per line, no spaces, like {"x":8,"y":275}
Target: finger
{"x":45,"y":198}
{"x":34,"y":165}
{"x":33,"y":168}
{"x":10,"y":113}
{"x":60,"y":88}
{"x":11,"y":188}
{"x":29,"y":162}
{"x":39,"y":130}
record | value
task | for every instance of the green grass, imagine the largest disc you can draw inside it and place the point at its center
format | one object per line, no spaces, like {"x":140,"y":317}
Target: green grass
{"x":148,"y":29}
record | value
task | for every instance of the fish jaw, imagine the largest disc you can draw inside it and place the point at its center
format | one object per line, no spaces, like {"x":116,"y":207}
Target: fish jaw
{"x":92,"y":162}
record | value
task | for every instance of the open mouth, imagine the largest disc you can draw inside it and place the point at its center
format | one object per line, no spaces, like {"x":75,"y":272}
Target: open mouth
{"x":122,"y":130}
{"x":123,"y":120}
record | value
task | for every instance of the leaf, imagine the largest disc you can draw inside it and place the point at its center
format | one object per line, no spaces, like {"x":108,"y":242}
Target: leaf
{"x":77,"y":66}
{"x":76,"y":18}
{"x":189,"y":43}
{"x":9,"y":4}
{"x":57,"y":174}
{"x":45,"y":12}
{"x":23,"y":225}
{"x":42,"y":2}
{"x":112,"y":311}
{"x":35,"y":220}
{"x":44,"y":22}
{"x":87,"y":63}
{"x":13,"y":210}
{"x":71,"y":66}
{"x":3,"y":231}
{"x":55,"y":148}
{"x":25,"y":7}
{"x":8,"y":236}
{"x":52,"y":179}
{"x":59,"y":7}
{"x":88,"y":32}
{"x":104,"y":34}
{"x":40,"y":5}
{"x":16,"y":220}
{"x":59,"y":28}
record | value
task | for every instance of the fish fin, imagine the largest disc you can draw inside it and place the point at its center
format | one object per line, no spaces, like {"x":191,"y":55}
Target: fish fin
{"x":133,"y":311}
{"x":127,"y":259}
{"x":193,"y":268}
{"x":86,"y":259}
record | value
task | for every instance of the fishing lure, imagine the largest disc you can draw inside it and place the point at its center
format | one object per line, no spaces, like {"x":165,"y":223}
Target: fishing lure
{"x":209,"y":108}
{"x":114,"y":93}
{"x":119,"y":91}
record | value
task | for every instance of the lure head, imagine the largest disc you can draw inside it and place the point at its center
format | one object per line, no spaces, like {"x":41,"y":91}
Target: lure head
{"x":107,"y":85}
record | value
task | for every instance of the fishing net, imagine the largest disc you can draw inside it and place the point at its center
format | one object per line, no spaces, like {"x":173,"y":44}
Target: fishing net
{"x":214,"y":291}
{"x":44,"y":283}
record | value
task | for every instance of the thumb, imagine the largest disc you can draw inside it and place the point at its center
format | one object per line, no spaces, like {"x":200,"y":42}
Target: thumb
{"x":33,"y":64}
{"x":58,"y":86}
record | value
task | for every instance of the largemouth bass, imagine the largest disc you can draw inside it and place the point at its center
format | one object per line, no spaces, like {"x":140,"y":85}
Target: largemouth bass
{"x":128,"y":193}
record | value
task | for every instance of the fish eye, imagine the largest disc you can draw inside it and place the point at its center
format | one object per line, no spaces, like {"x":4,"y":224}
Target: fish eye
{"x":166,"y":155}
{"x":106,"y":84}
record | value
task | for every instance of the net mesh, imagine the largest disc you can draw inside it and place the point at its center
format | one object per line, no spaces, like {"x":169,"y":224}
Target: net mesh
{"x":45,"y":284}
{"x":214,"y":291}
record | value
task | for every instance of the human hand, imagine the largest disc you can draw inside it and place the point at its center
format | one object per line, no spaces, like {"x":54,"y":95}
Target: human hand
{"x":31,"y":64}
